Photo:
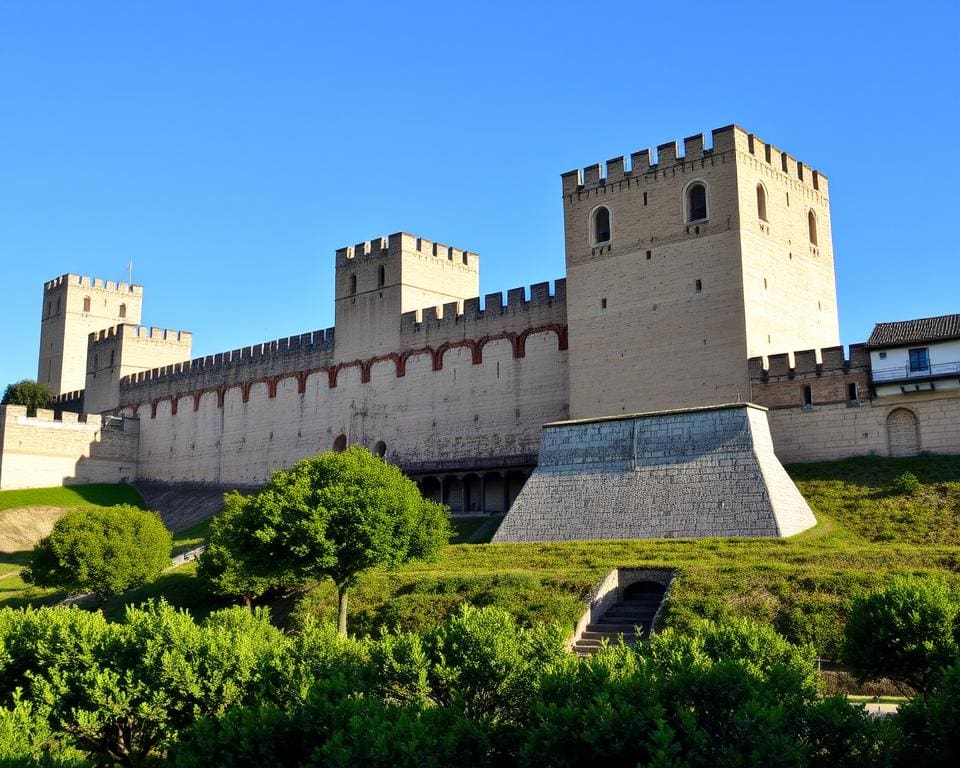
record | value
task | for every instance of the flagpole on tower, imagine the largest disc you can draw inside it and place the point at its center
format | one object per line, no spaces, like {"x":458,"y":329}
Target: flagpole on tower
{"x":130,"y":272}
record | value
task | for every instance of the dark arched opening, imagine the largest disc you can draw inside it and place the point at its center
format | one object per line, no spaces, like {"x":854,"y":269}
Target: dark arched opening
{"x":696,"y":202}
{"x":340,"y":444}
{"x":644,"y":591}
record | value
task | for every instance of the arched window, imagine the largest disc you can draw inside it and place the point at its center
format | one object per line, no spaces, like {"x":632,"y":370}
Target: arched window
{"x":601,"y":225}
{"x":380,"y":449}
{"x":381,"y":276}
{"x":340,"y":444}
{"x":761,"y":202}
{"x":696,"y":202}
{"x":812,"y":227}
{"x":123,"y":310}
{"x":86,"y":303}
{"x":353,"y":284}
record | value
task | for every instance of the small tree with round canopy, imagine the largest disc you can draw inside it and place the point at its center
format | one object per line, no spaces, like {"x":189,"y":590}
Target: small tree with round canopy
{"x":333,"y":516}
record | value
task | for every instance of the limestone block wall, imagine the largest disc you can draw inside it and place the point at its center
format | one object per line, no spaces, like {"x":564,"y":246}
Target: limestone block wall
{"x":515,"y":318}
{"x":836,"y":425}
{"x":306,"y":353}
{"x":446,"y":407}
{"x":41,"y":451}
{"x":836,"y":431}
{"x":694,"y":473}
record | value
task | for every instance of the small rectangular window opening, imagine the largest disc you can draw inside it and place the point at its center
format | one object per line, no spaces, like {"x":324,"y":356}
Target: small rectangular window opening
{"x":649,"y":255}
{"x":603,"y":303}
{"x":699,"y":286}
{"x":644,"y":198}
{"x":807,"y":396}
{"x":852,"y":394}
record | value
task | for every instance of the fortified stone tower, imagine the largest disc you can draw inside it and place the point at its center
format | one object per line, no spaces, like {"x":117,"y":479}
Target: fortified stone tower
{"x":378,"y":281}
{"x":73,"y":308}
{"x":680,"y":270}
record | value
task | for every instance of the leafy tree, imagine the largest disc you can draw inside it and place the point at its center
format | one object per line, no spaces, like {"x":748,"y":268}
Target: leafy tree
{"x":332,"y":516}
{"x":222,"y":565}
{"x":904,"y":632}
{"x":103,"y":550}
{"x":29,"y":393}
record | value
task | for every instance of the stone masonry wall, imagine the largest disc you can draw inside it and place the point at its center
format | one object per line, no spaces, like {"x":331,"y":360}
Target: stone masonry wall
{"x":41,"y":451}
{"x":696,"y":473}
{"x":446,"y":407}
{"x":835,"y":425}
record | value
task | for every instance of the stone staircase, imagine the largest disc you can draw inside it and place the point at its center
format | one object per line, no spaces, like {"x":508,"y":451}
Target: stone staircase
{"x":623,"y":619}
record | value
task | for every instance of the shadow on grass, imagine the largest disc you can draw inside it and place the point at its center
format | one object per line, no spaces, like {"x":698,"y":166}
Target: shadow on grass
{"x":877,"y":472}
{"x":19,"y":558}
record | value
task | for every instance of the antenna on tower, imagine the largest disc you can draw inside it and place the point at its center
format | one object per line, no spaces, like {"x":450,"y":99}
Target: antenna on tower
{"x":130,"y":272}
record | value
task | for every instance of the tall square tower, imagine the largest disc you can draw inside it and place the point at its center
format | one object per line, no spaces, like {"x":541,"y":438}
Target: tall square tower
{"x":679,"y":270}
{"x":73,"y":307}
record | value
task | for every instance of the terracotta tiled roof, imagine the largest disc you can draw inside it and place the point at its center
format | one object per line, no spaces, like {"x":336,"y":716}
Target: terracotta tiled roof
{"x":915,"y":331}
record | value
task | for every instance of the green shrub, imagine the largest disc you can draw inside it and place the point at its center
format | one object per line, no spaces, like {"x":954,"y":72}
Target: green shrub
{"x":904,"y":632}
{"x":103,"y":550}
{"x":904,"y":484}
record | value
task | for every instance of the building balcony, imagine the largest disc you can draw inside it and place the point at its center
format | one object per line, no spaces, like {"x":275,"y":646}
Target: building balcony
{"x":904,"y":373}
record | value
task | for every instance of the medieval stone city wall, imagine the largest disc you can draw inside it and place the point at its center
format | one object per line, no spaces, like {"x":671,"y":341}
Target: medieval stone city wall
{"x":446,"y":409}
{"x":43,"y":451}
{"x":836,"y":425}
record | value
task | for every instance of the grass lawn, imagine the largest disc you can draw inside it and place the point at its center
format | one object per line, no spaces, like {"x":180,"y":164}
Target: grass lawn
{"x":803,"y":586}
{"x":101,"y":495}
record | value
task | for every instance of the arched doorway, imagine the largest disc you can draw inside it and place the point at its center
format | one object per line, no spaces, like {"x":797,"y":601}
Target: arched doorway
{"x":903,"y":433}
{"x":340,"y":444}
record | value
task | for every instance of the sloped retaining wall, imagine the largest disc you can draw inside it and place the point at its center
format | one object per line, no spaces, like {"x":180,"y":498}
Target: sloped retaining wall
{"x":694,"y":473}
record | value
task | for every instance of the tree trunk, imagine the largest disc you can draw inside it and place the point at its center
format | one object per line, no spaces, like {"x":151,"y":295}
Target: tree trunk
{"x":342,"y":610}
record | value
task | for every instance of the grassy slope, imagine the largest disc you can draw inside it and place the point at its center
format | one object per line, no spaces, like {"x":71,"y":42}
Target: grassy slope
{"x":179,"y":585}
{"x":72,"y":496}
{"x":802,"y":585}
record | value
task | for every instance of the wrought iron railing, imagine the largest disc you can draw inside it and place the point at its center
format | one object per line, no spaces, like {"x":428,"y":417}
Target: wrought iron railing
{"x":904,"y":372}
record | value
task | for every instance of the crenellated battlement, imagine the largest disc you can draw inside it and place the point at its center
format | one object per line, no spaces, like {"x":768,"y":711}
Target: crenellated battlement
{"x":139,"y":332}
{"x":729,"y":139}
{"x":404,"y":242}
{"x":305,"y":351}
{"x":95,"y":283}
{"x":18,"y":414}
{"x":433,"y":325}
{"x":808,"y":362}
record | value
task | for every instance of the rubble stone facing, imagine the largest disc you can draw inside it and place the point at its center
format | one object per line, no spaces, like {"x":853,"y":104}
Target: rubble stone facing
{"x":675,"y":474}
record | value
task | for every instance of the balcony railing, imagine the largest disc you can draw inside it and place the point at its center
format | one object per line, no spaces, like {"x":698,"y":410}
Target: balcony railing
{"x":903,"y":372}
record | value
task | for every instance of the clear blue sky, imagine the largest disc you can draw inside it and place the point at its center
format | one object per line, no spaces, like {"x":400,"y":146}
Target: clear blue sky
{"x":228,"y":148}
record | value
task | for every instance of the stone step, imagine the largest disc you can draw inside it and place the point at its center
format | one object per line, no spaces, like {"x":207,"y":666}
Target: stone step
{"x":588,"y":635}
{"x":615,"y":628}
{"x":630,"y":612}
